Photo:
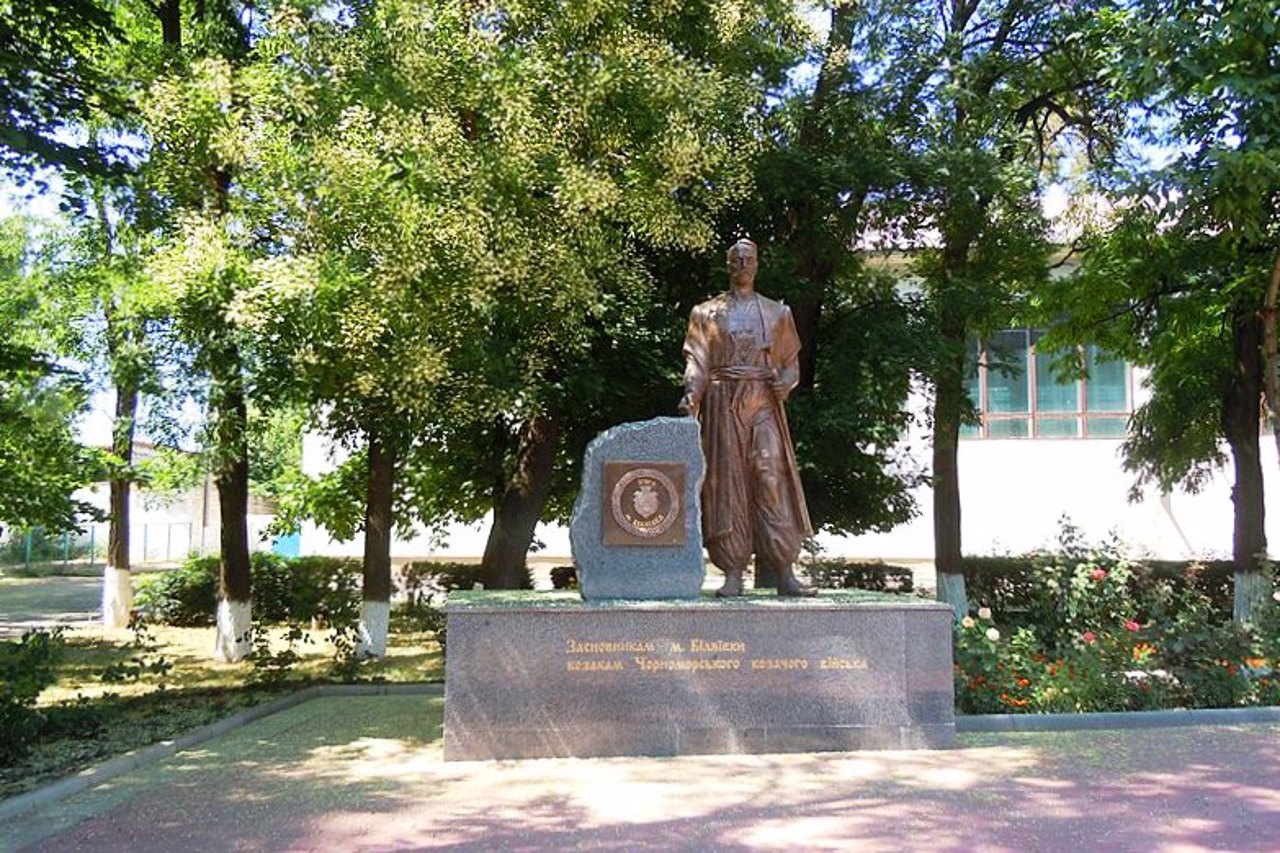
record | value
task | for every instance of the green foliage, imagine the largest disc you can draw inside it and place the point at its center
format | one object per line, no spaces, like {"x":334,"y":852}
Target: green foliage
{"x":271,"y":666}
{"x":303,"y":588}
{"x":564,"y":577}
{"x":1083,"y":629}
{"x":847,"y":574}
{"x":27,"y":666}
{"x":185,"y":596}
{"x":144,"y":661}
{"x":16,"y":550}
{"x":422,"y":578}
{"x":467,"y":234}
{"x":52,"y":74}
{"x":41,"y":463}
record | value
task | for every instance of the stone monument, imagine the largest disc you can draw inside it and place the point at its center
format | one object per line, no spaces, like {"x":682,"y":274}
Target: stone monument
{"x":635,"y":530}
{"x":640,"y":663}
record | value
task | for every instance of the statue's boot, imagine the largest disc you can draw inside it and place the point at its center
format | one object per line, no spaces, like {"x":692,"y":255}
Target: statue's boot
{"x":732,"y":584}
{"x":791,"y":587}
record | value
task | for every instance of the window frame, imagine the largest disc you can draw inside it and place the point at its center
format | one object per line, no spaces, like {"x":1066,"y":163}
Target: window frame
{"x":1034,"y":416}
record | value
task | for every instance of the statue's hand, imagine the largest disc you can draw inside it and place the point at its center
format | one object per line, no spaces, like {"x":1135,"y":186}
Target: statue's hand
{"x":688,"y":406}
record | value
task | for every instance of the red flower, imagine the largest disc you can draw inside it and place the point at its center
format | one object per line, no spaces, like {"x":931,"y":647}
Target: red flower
{"x":1098,"y":574}
{"x":1131,"y":625}
{"x":1088,"y":636}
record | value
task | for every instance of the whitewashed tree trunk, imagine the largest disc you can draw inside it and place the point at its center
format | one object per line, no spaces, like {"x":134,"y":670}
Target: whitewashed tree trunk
{"x":234,"y":640}
{"x":375,"y":617}
{"x":117,"y":597}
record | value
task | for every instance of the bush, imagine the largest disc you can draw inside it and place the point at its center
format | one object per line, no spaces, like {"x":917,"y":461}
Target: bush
{"x":324,"y":587}
{"x":846,"y":574}
{"x":283,"y":589}
{"x":564,"y":577}
{"x":1082,"y":628}
{"x":427,"y":576}
{"x":186,"y":596}
{"x":26,"y":668}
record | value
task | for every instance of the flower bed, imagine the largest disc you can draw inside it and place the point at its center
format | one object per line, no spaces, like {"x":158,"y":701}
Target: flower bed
{"x":1096,"y":632}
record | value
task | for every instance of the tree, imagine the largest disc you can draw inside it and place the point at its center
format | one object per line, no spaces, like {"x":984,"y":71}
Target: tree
{"x":190,"y":105}
{"x":486,"y":217}
{"x":41,"y":464}
{"x":51,"y":79}
{"x":980,"y":97}
{"x":1184,"y":280}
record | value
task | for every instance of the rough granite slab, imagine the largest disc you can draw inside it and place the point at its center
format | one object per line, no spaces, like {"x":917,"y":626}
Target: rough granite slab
{"x":640,"y":572}
{"x":759,"y":674}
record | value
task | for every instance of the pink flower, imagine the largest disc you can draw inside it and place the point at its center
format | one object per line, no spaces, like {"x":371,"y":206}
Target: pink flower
{"x":1088,"y":636}
{"x":1130,"y":625}
{"x":1098,"y":574}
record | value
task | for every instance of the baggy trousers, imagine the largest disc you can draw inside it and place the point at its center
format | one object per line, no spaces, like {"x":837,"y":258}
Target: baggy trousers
{"x":754,"y":496}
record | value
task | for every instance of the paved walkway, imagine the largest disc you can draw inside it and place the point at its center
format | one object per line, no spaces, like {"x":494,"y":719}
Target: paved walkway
{"x":366,"y":773}
{"x":27,"y":603}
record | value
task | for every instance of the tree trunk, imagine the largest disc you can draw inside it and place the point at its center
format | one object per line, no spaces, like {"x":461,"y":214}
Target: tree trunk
{"x":1241,"y":415}
{"x":231,"y":478}
{"x":170,"y":14}
{"x":517,"y":514}
{"x":1271,"y":349}
{"x":948,"y":403}
{"x":375,"y":609}
{"x":121,"y":333}
{"x":946,"y":484}
{"x":117,"y":586}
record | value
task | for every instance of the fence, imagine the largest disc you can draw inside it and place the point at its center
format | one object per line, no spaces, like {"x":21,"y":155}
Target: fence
{"x":149,"y":542}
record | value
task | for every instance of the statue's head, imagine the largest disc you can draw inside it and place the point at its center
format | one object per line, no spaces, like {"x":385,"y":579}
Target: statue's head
{"x":743,"y":260}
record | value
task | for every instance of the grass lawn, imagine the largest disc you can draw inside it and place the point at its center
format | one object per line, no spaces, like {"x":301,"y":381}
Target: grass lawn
{"x":90,"y":720}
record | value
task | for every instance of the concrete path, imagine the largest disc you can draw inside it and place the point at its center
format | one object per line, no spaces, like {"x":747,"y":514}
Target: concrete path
{"x":366,"y":773}
{"x":27,"y":603}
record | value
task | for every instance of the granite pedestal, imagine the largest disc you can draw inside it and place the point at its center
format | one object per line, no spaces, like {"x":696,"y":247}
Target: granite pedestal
{"x":531,"y":675}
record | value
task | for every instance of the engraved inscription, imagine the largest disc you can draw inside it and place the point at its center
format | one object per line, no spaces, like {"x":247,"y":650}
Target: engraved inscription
{"x":695,"y":654}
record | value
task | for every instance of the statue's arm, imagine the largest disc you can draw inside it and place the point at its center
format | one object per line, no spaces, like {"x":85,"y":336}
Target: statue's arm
{"x":786,"y":350}
{"x":696,"y":374}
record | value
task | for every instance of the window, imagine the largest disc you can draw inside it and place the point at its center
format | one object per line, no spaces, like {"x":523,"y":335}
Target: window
{"x":1017,"y":396}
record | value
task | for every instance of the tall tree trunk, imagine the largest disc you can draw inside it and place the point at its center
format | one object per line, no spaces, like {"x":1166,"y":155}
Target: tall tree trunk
{"x":517,"y":514}
{"x":948,"y":404}
{"x":231,"y":478}
{"x":1271,"y":349}
{"x":1241,"y":415}
{"x":170,"y":14}
{"x":122,"y":333}
{"x":375,"y":609}
{"x":117,"y":585}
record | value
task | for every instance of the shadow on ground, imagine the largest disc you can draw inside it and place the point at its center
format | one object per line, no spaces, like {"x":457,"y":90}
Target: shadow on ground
{"x":367,"y":773}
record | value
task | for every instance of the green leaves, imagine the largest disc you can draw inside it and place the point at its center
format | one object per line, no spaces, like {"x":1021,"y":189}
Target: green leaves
{"x":41,"y":464}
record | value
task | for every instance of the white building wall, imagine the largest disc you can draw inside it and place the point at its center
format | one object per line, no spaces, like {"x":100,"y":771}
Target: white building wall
{"x":1013,"y":493}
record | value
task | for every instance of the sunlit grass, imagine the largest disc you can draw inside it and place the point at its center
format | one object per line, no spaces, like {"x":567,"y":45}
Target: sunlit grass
{"x":411,"y":657}
{"x":92,"y":720}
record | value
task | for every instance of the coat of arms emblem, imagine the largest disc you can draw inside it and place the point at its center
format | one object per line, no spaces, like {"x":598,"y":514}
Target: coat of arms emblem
{"x":644,"y":503}
{"x":645,"y":500}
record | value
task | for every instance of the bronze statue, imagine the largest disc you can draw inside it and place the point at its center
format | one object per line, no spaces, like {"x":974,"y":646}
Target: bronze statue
{"x":741,"y":362}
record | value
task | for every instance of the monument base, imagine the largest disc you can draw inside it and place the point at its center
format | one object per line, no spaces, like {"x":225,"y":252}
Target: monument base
{"x":540,"y":675}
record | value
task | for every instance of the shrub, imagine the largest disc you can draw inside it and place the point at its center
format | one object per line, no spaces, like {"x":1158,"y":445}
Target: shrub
{"x":324,"y":587}
{"x":283,"y":589}
{"x":26,"y":668}
{"x":428,"y":576}
{"x":1093,"y":631}
{"x":564,"y":577}
{"x":186,"y":596}
{"x":847,"y":574}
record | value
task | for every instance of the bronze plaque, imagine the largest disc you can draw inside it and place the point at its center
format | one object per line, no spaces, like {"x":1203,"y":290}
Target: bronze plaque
{"x":644,"y":503}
